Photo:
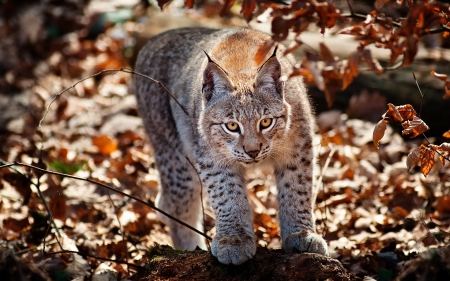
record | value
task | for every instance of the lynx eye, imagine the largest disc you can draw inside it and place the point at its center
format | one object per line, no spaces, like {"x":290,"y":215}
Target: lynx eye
{"x":232,"y":126}
{"x":265,"y":123}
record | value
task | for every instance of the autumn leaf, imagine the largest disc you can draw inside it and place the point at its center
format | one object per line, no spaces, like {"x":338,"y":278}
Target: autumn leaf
{"x":406,"y":111}
{"x":327,"y":55}
{"x":189,"y":4}
{"x":58,"y":207}
{"x":392,"y":114}
{"x":447,"y":89}
{"x":378,"y":133}
{"x":248,"y":7}
{"x":262,"y":52}
{"x":442,"y":77}
{"x":226,"y":7}
{"x":372,"y":62}
{"x":413,"y":158}
{"x":427,"y":160}
{"x":280,"y":28}
{"x":351,"y":69}
{"x":105,"y":144}
{"x":415,"y":127}
{"x":444,"y":151}
{"x":162,"y":3}
{"x":446,"y":134}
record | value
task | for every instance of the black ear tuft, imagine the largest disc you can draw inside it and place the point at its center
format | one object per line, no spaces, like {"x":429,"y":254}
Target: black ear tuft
{"x":215,"y":80}
{"x":269,"y":74}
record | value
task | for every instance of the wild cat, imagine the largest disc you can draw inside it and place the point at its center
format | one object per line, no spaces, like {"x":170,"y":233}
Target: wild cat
{"x":234,"y":114}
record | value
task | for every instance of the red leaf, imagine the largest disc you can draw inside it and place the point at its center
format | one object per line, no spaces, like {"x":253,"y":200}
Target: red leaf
{"x":189,"y":4}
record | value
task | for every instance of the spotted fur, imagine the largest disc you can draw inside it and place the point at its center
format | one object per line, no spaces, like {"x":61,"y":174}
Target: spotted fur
{"x":221,"y":91}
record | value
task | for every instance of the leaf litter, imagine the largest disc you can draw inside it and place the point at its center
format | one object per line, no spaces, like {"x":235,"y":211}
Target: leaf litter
{"x":375,"y":208}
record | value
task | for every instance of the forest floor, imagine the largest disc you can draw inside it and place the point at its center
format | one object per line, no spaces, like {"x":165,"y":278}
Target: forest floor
{"x":379,"y":219}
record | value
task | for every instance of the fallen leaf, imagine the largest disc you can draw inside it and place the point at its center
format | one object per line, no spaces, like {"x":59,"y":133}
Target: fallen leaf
{"x":105,"y":144}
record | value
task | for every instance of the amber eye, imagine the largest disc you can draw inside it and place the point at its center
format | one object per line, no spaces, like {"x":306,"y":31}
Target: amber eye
{"x":232,"y":126}
{"x":265,"y":123}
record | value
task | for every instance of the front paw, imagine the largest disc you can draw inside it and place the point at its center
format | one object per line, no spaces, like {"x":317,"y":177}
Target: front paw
{"x":305,"y":241}
{"x":235,"y":249}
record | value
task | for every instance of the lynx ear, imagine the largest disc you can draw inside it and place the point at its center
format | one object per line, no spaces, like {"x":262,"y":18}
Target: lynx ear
{"x":269,"y":74}
{"x":215,"y":80}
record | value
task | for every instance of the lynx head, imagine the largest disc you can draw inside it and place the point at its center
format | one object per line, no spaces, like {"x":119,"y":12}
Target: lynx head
{"x":244,"y":112}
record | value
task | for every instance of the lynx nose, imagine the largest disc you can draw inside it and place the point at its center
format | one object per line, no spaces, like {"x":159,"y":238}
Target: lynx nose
{"x":253,"y":153}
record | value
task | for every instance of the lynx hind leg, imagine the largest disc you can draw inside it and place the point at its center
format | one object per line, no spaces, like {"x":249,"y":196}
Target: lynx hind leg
{"x":179,"y":196}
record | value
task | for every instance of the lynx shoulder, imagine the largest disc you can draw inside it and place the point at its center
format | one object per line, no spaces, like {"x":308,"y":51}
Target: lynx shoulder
{"x":240,"y":114}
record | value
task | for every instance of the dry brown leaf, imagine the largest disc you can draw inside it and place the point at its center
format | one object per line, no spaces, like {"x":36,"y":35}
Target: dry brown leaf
{"x":427,"y":160}
{"x":392,"y":114}
{"x":413,"y":158}
{"x":443,"y":204}
{"x":415,"y":127}
{"x":248,"y":7}
{"x":441,"y":77}
{"x":372,"y":62}
{"x":351,"y":69}
{"x":326,"y":54}
{"x":58,"y":207}
{"x":105,"y":144}
{"x":406,"y":111}
{"x":447,"y":89}
{"x":378,"y":133}
{"x":189,"y":4}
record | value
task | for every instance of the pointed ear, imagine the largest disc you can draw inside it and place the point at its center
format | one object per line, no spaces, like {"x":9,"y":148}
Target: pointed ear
{"x":215,"y":81}
{"x":269,"y":74}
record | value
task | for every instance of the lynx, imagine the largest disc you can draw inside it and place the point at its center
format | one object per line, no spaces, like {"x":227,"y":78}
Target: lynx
{"x":233,"y":115}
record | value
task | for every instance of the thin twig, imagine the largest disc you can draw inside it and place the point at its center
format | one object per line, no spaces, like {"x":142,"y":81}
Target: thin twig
{"x":353,"y":15}
{"x":116,"y":210}
{"x":110,"y":71}
{"x":93,"y":256}
{"x":117,"y":191}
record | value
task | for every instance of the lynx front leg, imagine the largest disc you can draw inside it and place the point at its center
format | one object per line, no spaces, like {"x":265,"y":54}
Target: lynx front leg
{"x":235,"y":240}
{"x":296,"y":201}
{"x":180,"y":196}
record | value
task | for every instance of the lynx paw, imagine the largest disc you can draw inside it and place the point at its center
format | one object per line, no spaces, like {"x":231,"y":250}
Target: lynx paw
{"x":234,"y":249}
{"x":305,"y":241}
